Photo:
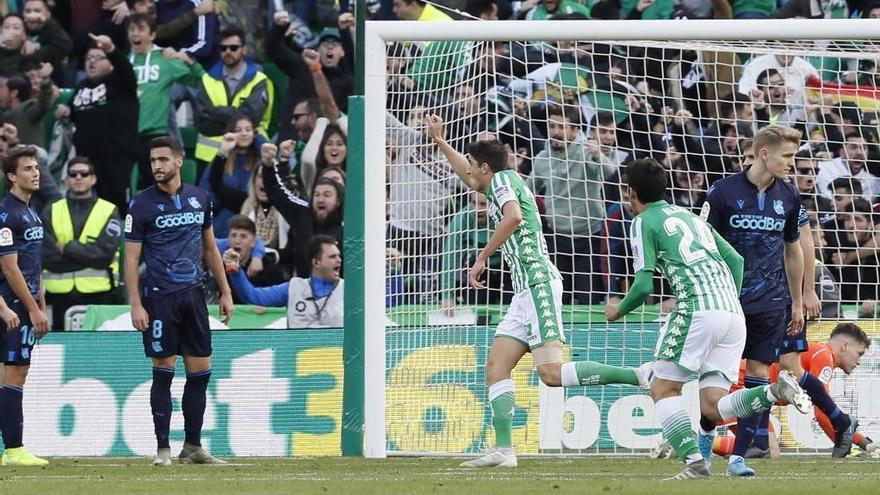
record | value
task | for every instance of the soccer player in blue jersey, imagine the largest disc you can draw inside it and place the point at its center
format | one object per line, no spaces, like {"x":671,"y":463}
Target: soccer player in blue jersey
{"x":170,"y":223}
{"x":24,"y":319}
{"x":760,"y":214}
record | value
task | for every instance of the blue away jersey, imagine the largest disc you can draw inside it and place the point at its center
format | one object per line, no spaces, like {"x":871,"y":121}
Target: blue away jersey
{"x":21,"y":232}
{"x":757,"y":225}
{"x":170,"y":228}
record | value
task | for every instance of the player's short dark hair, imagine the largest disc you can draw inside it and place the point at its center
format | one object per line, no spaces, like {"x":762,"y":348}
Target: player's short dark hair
{"x":21,"y":85}
{"x":13,"y":156}
{"x":648,"y":179}
{"x":167,"y":142}
{"x":313,"y":106}
{"x":570,"y":112}
{"x":233,"y":30}
{"x":315,"y":246}
{"x":853,"y":331}
{"x":854,"y":186}
{"x":242,"y":222}
{"x":143,"y":18}
{"x":491,"y":152}
{"x":81,"y":160}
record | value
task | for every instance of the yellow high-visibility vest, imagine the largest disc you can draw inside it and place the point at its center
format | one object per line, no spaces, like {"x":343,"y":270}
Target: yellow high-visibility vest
{"x":89,"y":280}
{"x":207,"y":146}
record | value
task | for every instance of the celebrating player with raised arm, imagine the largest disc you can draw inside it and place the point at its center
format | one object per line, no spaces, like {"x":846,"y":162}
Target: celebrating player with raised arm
{"x":24,"y":320}
{"x":533,"y":322}
{"x":170,"y":223}
{"x":705,"y":333}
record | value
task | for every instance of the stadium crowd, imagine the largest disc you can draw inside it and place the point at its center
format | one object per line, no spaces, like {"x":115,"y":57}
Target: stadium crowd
{"x":259,"y":98}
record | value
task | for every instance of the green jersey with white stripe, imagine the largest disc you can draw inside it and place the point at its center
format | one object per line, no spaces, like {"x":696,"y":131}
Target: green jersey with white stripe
{"x":682,"y":247}
{"x":525,"y":252}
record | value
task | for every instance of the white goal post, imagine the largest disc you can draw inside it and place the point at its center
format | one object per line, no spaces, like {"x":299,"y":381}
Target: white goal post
{"x":377,"y":36}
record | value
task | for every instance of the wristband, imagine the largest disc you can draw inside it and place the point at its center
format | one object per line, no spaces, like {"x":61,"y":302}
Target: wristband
{"x":315,"y":68}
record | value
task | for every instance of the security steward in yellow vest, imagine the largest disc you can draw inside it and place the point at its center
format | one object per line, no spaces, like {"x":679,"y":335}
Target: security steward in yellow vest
{"x":80,"y":245}
{"x":233,"y":86}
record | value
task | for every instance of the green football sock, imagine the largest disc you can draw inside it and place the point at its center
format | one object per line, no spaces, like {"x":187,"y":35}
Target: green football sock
{"x":677,"y":428}
{"x":501,"y":397}
{"x":745,"y":402}
{"x":593,"y":373}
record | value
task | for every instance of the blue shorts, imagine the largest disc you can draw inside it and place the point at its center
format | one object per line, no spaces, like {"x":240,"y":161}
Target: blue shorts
{"x":793,"y":343}
{"x":178,"y":325}
{"x":764,"y":334}
{"x":18,"y":343}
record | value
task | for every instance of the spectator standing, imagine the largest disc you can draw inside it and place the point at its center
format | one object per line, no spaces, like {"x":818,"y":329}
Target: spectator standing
{"x":315,"y":301}
{"x":104,"y":110}
{"x":51,"y":44}
{"x":569,"y":174}
{"x":23,"y":111}
{"x":233,"y":86}
{"x":156,"y":71}
{"x":233,"y":167}
{"x":80,"y":245}
{"x":13,"y":45}
{"x":198,"y":38}
{"x":851,"y":162}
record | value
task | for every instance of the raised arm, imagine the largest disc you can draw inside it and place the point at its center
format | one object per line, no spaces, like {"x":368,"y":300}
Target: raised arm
{"x":459,"y":162}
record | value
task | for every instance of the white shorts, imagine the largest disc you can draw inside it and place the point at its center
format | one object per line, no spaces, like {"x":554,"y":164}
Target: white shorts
{"x":534,"y":316}
{"x":703,"y":342}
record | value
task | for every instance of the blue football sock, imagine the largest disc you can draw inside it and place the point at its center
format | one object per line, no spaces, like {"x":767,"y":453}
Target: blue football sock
{"x":194,"y":400}
{"x":816,"y":390}
{"x":11,"y":417}
{"x":160,"y":403}
{"x":747,"y":427}
{"x":762,"y":434}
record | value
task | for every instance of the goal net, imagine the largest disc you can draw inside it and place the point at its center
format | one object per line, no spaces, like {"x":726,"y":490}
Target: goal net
{"x":573,"y":114}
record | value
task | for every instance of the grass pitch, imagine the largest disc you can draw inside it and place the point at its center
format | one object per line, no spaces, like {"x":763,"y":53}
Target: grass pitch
{"x":547,"y":476}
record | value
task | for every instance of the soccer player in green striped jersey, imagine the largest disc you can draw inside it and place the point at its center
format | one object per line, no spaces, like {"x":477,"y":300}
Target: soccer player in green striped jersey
{"x":533,"y":322}
{"x":706,"y":331}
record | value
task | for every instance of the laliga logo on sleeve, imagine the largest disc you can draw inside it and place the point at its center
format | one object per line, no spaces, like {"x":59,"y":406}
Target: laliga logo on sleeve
{"x":5,"y":236}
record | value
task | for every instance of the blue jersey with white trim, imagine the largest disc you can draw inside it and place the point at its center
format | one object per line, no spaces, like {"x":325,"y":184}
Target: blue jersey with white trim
{"x":170,"y":228}
{"x":757,"y":224}
{"x":21,"y":232}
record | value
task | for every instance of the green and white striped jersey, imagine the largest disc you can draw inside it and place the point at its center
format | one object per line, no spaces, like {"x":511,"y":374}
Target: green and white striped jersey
{"x":525,"y":252}
{"x":682,"y":247}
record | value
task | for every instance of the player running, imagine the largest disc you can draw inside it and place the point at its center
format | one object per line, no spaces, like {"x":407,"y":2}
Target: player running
{"x":533,"y":322}
{"x":24,"y":319}
{"x":844,"y":350}
{"x":170,"y":223}
{"x":705,"y":333}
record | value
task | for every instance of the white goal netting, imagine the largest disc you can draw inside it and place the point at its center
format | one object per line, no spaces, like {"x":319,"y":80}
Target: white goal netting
{"x":574,"y":115}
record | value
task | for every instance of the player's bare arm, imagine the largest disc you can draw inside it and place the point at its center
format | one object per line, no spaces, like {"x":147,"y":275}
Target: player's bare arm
{"x":39,"y":320}
{"x":459,"y":162}
{"x":812,"y":304}
{"x":510,"y":220}
{"x":139,"y":317}
{"x":214,"y":262}
{"x":8,"y":316}
{"x":794,"y":272}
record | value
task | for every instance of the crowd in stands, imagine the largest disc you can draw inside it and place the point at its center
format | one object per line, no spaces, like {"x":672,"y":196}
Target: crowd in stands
{"x":259,"y":98}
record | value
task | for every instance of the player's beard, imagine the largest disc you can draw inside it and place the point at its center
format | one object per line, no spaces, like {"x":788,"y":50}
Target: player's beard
{"x":167,"y":178}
